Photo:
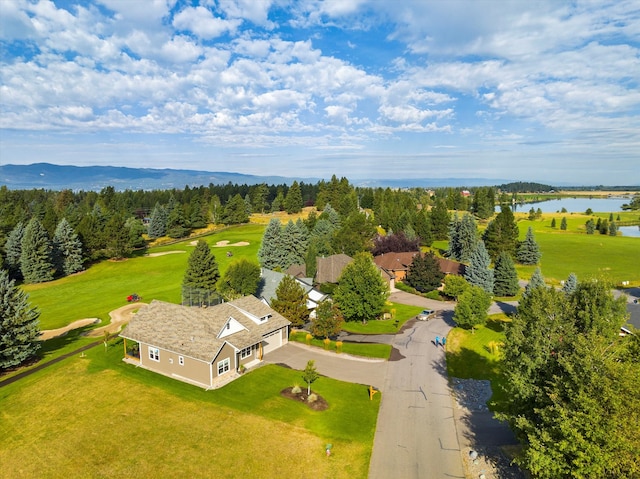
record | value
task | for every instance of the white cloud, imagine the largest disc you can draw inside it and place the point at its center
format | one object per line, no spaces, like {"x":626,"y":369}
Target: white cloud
{"x":201,"y":21}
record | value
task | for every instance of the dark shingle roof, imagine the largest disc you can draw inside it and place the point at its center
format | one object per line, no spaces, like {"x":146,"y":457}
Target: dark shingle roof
{"x":329,"y":269}
{"x":194,"y":331}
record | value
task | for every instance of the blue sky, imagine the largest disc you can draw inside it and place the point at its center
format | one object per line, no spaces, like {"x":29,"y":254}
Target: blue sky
{"x":543,"y":91}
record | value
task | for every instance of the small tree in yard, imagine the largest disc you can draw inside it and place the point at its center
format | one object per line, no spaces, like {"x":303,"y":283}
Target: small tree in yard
{"x":361,"y":293}
{"x":19,"y":329}
{"x":202,"y":272}
{"x":505,"y":276}
{"x":472,"y":308}
{"x":424,"y":273}
{"x":240,"y":279}
{"x":478,"y":272}
{"x":455,"y":285}
{"x":570,"y":284}
{"x":328,"y":320}
{"x":310,"y":374}
{"x":528,"y":250}
{"x":291,"y":301}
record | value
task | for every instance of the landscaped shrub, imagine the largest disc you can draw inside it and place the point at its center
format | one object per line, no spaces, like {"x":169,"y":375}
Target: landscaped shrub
{"x":313,"y":397}
{"x":433,"y":295}
{"x":296,"y":389}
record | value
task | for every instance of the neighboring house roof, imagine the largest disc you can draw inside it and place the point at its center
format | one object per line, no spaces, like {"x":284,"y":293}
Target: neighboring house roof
{"x":270,"y":280}
{"x":395,"y":261}
{"x":329,"y":269}
{"x":448,"y":266}
{"x":297,"y":270}
{"x":201,"y":332}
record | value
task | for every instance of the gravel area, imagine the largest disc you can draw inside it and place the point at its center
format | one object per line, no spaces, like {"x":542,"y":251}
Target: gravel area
{"x":482,"y":462}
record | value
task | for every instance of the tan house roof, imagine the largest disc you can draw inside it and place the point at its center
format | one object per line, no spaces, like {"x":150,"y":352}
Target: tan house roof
{"x":329,"y":269}
{"x":395,"y":261}
{"x":199,"y":332}
{"x":448,"y":266}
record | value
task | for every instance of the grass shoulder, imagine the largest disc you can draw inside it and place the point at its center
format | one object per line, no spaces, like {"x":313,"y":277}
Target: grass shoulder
{"x":367,"y":350}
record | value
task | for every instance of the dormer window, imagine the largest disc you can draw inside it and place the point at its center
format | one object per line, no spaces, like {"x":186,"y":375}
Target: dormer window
{"x":264,"y":318}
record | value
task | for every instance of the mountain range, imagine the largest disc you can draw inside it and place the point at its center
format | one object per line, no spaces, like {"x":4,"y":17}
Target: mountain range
{"x":94,"y":178}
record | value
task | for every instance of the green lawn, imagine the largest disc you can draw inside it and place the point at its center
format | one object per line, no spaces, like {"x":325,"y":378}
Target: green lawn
{"x":469,"y":354}
{"x":401,"y":313}
{"x":106,"y":285}
{"x":369,"y":350}
{"x":98,"y":417}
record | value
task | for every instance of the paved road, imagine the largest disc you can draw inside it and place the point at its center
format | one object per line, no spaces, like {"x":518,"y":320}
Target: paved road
{"x":416,"y":433}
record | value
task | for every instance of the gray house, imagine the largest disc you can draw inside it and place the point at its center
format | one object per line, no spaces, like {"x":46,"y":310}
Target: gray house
{"x":204,"y":346}
{"x":270,"y":280}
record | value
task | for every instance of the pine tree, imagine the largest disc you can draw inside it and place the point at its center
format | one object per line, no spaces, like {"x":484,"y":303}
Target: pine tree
{"x":67,"y":249}
{"x":291,"y":301}
{"x":235,"y":211}
{"x":270,"y":253}
{"x":19,"y":325}
{"x":293,"y":200}
{"x":505,"y":276}
{"x":570,"y":284}
{"x":361,"y":293}
{"x":613,"y":229}
{"x":478,"y":272}
{"x":563,"y":224}
{"x":553,"y":222}
{"x":439,"y":217}
{"x":158,"y":222}
{"x":590,"y":227}
{"x":466,"y":239}
{"x":536,"y":281}
{"x":501,"y":234}
{"x":528,"y":250}
{"x":294,"y":242}
{"x":13,"y":248}
{"x":424,"y":273}
{"x":202,"y":272}
{"x":35,"y":261}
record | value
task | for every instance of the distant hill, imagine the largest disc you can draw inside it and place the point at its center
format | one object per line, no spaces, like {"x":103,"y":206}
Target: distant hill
{"x":94,"y":178}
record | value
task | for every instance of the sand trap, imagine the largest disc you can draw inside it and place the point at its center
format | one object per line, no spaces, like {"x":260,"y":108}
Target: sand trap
{"x":222,"y":244}
{"x":54,"y":333}
{"x":153,"y":255}
{"x":119,"y":317}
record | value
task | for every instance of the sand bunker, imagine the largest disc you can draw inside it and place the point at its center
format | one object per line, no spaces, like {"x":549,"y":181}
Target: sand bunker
{"x":222,"y":244}
{"x":54,"y":333}
{"x":153,"y":255}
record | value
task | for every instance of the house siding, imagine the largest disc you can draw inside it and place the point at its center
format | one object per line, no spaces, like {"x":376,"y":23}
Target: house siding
{"x":227,"y":351}
{"x":169,"y":365}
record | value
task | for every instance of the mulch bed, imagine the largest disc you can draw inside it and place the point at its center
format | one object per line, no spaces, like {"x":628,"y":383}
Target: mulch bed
{"x":319,"y":404}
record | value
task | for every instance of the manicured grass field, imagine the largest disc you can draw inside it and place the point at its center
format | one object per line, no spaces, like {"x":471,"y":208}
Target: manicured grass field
{"x":105,"y":286}
{"x":401,"y":314}
{"x":98,"y":417}
{"x":469,"y":354}
{"x":369,"y":350}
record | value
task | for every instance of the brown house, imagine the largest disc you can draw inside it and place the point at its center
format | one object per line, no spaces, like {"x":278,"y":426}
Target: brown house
{"x":395,"y":265}
{"x":329,"y":269}
{"x":448,"y":266}
{"x":204,"y":346}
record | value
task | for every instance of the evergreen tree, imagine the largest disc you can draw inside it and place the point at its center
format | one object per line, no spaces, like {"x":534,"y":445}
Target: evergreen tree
{"x":563,"y":224}
{"x":278,"y":203}
{"x":118,"y":243}
{"x":501,"y":234}
{"x":19,"y":325}
{"x":328,"y":320}
{"x":331,"y":215}
{"x":35,"y":261}
{"x":13,"y":249}
{"x":176,"y":222}
{"x":505,"y":276}
{"x":361,"y":293}
{"x":478,"y":272}
{"x":291,"y":301}
{"x":270,"y":252}
{"x":439,"y":220}
{"x":294,"y":241}
{"x":293,"y":200}
{"x":260,"y":195}
{"x":355,"y":235}
{"x":536,"y":281}
{"x":570,"y":284}
{"x":422,"y":226}
{"x":202,"y":274}
{"x":553,"y":222}
{"x":248,"y":208}
{"x":424,"y":273}
{"x":158,"y":222}
{"x":463,"y":236}
{"x":67,"y":249}
{"x":613,"y":229}
{"x":240,"y":279}
{"x":590,"y":227}
{"x":528,"y":250}
{"x":235,"y":211}
{"x":484,"y":202}
{"x":472,"y":308}
{"x":604,"y":227}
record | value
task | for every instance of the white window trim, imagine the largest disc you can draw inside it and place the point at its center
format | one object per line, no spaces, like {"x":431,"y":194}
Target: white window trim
{"x":246,"y":352}
{"x":181,"y":360}
{"x":154,"y":354}
{"x":224,"y":366}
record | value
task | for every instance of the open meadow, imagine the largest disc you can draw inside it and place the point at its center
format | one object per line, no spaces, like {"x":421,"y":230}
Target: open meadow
{"x":95,"y":416}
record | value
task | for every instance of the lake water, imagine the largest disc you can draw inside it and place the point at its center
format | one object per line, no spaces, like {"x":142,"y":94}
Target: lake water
{"x":633,"y":231}
{"x":575,"y":205}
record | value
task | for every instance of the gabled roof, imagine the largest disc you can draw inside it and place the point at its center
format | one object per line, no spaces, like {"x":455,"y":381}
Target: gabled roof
{"x":195,"y":332}
{"x":395,"y":261}
{"x":297,"y":270}
{"x":271,"y":279}
{"x":448,"y":266}
{"x":329,"y":269}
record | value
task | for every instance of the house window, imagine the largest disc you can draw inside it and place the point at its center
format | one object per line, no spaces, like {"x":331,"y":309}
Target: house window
{"x":245,"y":353}
{"x":181,"y":360}
{"x":224,"y":366}
{"x":154,"y":354}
